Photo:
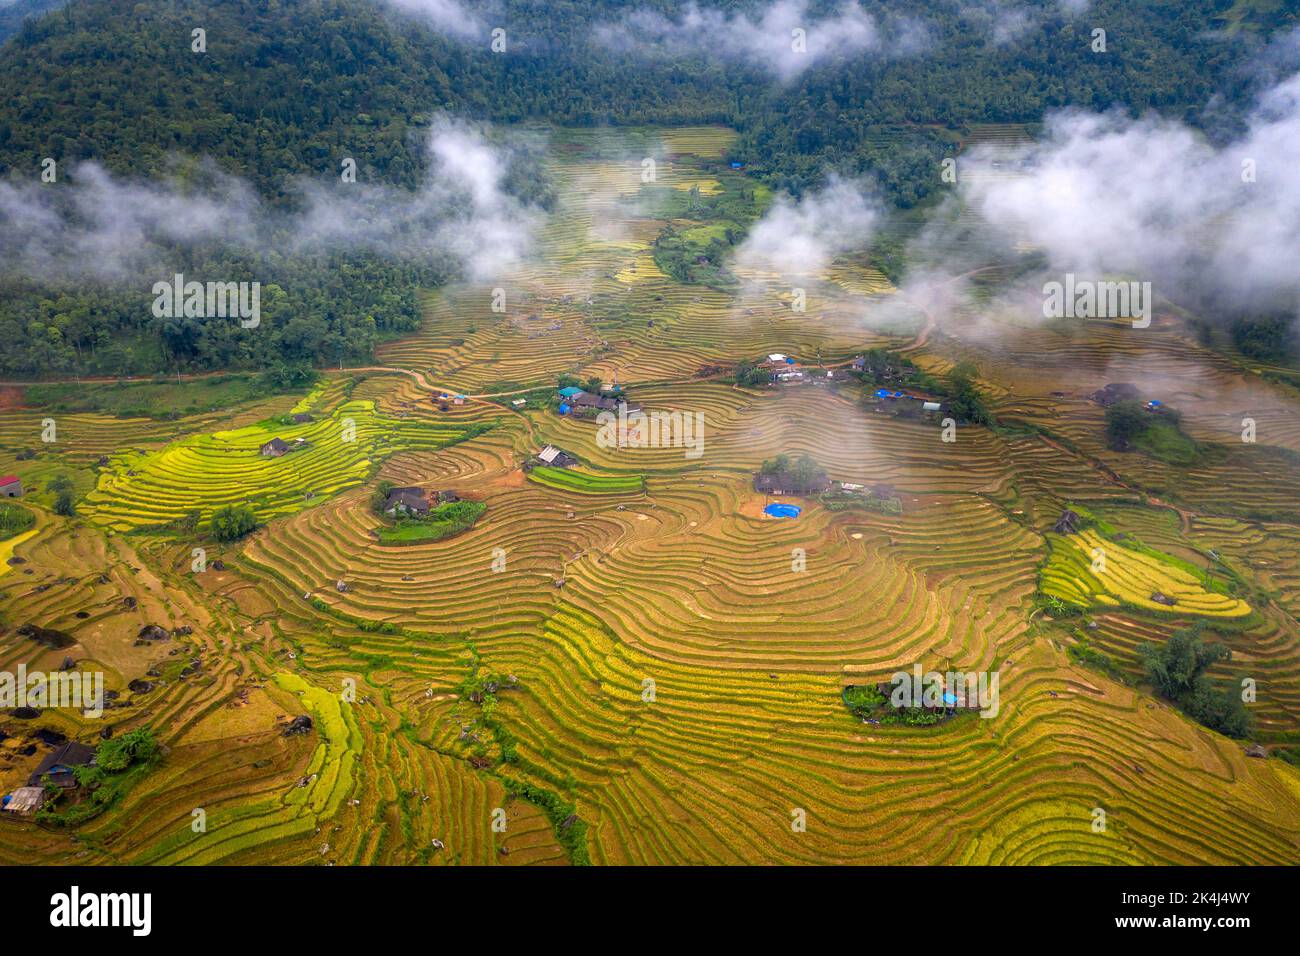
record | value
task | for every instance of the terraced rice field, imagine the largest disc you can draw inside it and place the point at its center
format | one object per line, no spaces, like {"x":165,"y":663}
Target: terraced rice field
{"x":585,"y":483}
{"x":628,"y":662}
{"x":1090,"y":570}
{"x":338,"y":450}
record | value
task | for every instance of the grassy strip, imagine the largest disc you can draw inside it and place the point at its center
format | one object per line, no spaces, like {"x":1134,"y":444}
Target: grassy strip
{"x":567,"y":479}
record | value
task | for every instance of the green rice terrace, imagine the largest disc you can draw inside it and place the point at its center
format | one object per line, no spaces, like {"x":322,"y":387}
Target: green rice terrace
{"x":617,"y":655}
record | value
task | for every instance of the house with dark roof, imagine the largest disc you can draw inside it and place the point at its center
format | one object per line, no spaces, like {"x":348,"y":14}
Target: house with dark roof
{"x":787,"y":483}
{"x":587,"y":400}
{"x":1116,"y":392}
{"x":59,"y":765}
{"x":1068,"y":523}
{"x":555,"y":458}
{"x":406,"y":501}
{"x":274,"y":448}
{"x":10,"y":487}
{"x":301,"y":418}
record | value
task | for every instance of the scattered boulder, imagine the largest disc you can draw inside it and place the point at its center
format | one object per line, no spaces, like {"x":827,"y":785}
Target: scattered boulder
{"x":15,"y":561}
{"x":52,"y":737}
{"x":27,"y":713}
{"x":55,"y":640}
{"x":218,"y":565}
{"x":140,"y":686}
{"x":107,"y":732}
{"x":1255,"y":750}
{"x":340,"y":585}
{"x":129,"y":603}
{"x":68,"y":664}
{"x":298,"y":726}
{"x":183,"y":631}
{"x":1161,"y":598}
{"x":152,"y":632}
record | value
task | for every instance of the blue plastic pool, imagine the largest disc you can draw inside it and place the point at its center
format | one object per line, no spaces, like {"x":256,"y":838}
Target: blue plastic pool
{"x":778,"y":510}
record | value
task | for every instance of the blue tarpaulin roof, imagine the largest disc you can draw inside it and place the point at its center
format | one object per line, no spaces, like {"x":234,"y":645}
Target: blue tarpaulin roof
{"x":564,"y":409}
{"x":570,"y":391}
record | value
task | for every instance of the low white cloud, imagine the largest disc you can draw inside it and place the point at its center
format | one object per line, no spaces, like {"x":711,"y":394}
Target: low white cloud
{"x":783,"y":38}
{"x":1156,"y":200}
{"x":99,"y":226}
{"x":446,"y":16}
{"x":801,"y":237}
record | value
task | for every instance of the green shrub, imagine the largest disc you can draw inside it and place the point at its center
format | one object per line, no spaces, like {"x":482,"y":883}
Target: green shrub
{"x":233,"y":522}
{"x":14,"y":520}
{"x":1177,"y":670}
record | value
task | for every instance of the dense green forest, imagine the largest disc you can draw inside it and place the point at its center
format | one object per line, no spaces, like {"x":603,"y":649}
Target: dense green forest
{"x":14,"y":12}
{"x":287,"y":88}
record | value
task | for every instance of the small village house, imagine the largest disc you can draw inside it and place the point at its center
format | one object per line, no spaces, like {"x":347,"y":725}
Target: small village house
{"x":1116,"y":392}
{"x":24,"y":801}
{"x":555,"y":458}
{"x":274,"y":448}
{"x":11,"y":487}
{"x":786,"y":483}
{"x":586,"y":400}
{"x":58,"y":767}
{"x":406,"y":501}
